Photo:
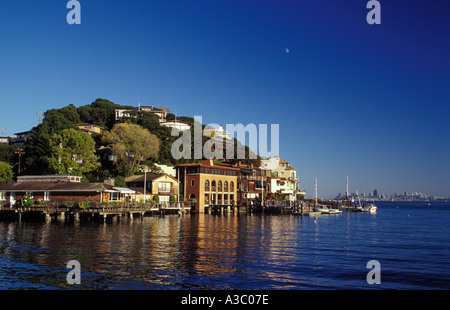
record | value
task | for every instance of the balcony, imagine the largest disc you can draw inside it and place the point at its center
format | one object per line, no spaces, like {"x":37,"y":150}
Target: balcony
{"x":166,"y":191}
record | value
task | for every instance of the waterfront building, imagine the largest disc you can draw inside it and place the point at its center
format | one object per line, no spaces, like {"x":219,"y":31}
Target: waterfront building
{"x":60,"y":190}
{"x":146,"y":187}
{"x":251,"y":182}
{"x":207,"y":184}
{"x":283,"y":187}
{"x":284,"y":179}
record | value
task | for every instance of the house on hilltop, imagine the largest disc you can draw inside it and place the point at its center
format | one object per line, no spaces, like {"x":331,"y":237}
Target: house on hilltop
{"x":89,"y":128}
{"x":125,"y":113}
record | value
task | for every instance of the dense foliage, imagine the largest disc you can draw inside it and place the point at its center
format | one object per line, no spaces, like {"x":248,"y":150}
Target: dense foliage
{"x":56,"y":146}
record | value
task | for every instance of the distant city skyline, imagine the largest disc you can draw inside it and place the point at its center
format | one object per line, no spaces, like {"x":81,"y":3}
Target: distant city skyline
{"x":367,"y":101}
{"x":372,"y":195}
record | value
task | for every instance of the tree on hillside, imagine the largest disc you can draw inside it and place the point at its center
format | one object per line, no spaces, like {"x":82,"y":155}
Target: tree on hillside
{"x":7,"y":154}
{"x":6,"y":172}
{"x":64,"y":118}
{"x":100,"y":112}
{"x":132,"y":144}
{"x":150,"y":121}
{"x":37,"y":149}
{"x":72,"y":152}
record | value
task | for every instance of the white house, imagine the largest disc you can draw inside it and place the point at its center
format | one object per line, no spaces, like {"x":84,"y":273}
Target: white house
{"x":181,"y":126}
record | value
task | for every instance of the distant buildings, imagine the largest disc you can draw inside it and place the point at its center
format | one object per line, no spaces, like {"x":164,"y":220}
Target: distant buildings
{"x":406,"y":197}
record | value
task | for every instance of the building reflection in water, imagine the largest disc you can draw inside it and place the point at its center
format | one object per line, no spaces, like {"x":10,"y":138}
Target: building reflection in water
{"x":190,"y":251}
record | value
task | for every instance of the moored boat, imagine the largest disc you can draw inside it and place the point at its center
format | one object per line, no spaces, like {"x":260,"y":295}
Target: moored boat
{"x":370,"y":208}
{"x":334,"y":211}
{"x":322,"y":209}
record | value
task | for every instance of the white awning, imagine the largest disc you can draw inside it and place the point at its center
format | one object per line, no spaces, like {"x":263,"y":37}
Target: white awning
{"x":124,"y":190}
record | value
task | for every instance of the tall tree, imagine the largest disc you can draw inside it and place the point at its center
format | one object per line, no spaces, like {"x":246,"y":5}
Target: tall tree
{"x":72,"y":152}
{"x":132,"y":144}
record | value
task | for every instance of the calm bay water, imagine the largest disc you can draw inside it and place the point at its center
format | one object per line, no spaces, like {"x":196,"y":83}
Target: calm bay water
{"x":411,"y":242}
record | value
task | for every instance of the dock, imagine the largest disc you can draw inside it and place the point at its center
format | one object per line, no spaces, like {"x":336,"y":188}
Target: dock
{"x":97,"y":213}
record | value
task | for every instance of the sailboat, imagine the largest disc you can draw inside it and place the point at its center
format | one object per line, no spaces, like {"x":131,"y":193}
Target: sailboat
{"x":358,"y":207}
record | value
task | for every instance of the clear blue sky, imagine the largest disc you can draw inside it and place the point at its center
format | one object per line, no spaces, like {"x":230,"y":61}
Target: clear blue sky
{"x":367,"y":101}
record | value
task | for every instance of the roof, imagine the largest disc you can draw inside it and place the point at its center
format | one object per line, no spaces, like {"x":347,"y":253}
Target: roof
{"x":87,"y":124}
{"x":150,"y":177}
{"x":56,"y":187}
{"x":176,"y":122}
{"x":124,"y":190}
{"x":207,"y":166}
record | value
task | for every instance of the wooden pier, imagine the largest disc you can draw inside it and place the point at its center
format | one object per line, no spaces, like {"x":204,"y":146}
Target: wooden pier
{"x":98,"y":213}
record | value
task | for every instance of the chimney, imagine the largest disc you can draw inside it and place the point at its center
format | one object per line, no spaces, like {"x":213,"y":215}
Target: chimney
{"x":209,"y":162}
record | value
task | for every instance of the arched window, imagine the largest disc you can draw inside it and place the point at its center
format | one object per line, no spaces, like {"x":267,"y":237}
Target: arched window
{"x":207,"y":185}
{"x":219,"y":186}
{"x":213,"y":185}
{"x":225,"y":186}
{"x":231,"y":186}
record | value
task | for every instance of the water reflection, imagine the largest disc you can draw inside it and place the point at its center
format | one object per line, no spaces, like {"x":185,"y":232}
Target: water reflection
{"x":197,"y":251}
{"x":226,"y":251}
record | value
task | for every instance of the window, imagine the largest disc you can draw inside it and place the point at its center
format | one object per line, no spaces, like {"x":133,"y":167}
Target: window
{"x":46,"y":196}
{"x":207,"y":185}
{"x":231,"y":186}
{"x":164,"y":187}
{"x":219,"y":185}
{"x":192,"y":182}
{"x":225,"y":186}
{"x":114,"y":196}
{"x":2,"y":196}
{"x":213,"y":185}
{"x":164,"y":199}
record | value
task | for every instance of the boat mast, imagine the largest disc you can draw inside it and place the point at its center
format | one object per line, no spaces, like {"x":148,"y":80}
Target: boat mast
{"x":346,"y":193}
{"x":315,"y":187}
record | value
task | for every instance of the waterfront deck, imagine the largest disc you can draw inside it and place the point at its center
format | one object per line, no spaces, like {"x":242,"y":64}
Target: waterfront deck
{"x":97,"y":213}
{"x":108,"y":213}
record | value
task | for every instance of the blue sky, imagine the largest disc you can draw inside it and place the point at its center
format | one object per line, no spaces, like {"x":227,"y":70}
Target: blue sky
{"x":367,"y":101}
